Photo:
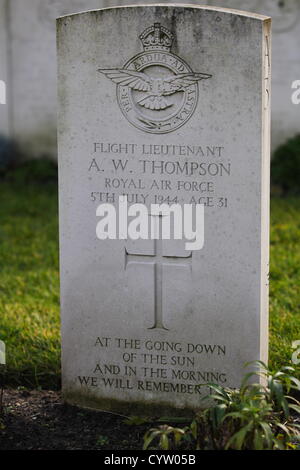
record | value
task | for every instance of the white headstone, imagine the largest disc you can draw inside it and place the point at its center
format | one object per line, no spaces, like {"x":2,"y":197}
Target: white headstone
{"x":163,"y":104}
{"x":4,"y":110}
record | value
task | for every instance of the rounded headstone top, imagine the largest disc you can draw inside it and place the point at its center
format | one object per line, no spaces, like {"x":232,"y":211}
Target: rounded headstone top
{"x":254,"y":16}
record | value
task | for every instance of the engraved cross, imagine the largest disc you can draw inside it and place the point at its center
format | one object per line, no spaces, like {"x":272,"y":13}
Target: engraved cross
{"x":158,"y":260}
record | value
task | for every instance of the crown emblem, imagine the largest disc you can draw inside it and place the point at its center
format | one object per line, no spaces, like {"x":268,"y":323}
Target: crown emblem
{"x":157,"y":91}
{"x":156,"y":38}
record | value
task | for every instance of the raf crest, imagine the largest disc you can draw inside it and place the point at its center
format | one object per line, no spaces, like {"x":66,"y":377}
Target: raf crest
{"x":157,"y":91}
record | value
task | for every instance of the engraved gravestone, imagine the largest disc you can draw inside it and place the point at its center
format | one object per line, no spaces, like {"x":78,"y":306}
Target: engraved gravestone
{"x":164,"y":105}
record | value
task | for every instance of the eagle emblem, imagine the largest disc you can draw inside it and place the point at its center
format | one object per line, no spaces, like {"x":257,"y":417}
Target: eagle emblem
{"x":157,"y":91}
{"x":156,"y":88}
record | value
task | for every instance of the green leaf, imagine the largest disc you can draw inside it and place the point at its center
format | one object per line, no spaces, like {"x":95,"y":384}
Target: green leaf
{"x":217,"y":414}
{"x":258,"y":440}
{"x":284,"y":428}
{"x":194,"y":429}
{"x":147,"y":441}
{"x":268,"y":433}
{"x":178,"y":435}
{"x":285,"y":407}
{"x":295,"y":408}
{"x":246,"y":379}
{"x":164,"y":442}
{"x":296,"y":382}
{"x":234,"y":415}
{"x":136,"y":421}
{"x":238,"y":439}
{"x":171,"y":419}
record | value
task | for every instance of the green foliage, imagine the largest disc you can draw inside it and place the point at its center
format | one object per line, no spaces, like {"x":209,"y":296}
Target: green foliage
{"x":285,"y":169}
{"x":102,"y":441}
{"x":39,"y":171}
{"x":254,"y":417}
{"x":136,"y":421}
{"x":168,"y":437}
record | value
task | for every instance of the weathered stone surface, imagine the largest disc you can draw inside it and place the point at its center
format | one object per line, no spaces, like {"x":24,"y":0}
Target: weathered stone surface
{"x":144,"y":323}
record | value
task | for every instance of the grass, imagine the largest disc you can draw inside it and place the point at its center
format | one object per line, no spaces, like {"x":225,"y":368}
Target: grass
{"x":29,"y":282}
{"x":284,"y":280}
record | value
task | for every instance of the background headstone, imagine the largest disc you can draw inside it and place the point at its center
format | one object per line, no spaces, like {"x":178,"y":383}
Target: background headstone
{"x":2,"y":353}
{"x":31,"y":56}
{"x":4,"y":110}
{"x":144,"y":323}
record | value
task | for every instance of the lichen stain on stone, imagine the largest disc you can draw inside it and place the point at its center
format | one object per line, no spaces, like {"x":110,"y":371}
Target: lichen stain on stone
{"x":241,"y":26}
{"x":89,"y":400}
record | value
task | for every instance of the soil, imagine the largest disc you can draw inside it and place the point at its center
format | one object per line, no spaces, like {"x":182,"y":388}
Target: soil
{"x":39,"y":420}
